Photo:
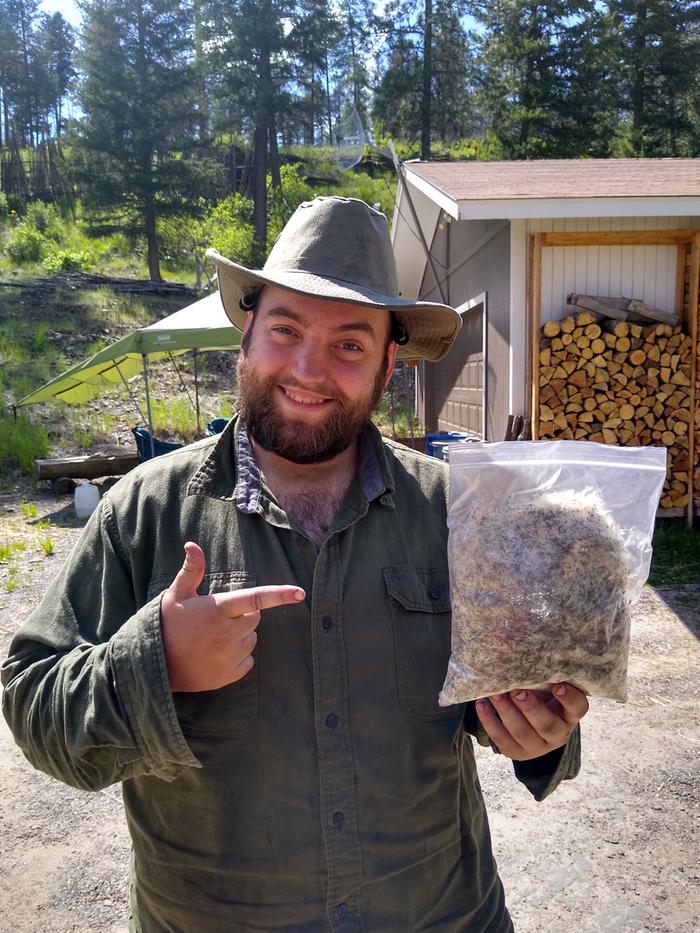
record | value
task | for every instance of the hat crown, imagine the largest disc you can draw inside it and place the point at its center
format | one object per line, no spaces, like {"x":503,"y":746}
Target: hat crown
{"x":342,"y":239}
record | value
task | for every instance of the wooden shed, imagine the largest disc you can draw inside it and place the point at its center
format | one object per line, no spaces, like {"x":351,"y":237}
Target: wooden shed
{"x":507,"y":242}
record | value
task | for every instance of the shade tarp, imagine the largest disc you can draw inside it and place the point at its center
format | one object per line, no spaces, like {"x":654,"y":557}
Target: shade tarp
{"x":202,"y":325}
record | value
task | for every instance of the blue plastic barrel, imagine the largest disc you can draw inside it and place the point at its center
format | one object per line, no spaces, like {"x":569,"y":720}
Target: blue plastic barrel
{"x":442,"y":438}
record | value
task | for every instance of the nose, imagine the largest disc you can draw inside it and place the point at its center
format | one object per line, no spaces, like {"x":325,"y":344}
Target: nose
{"x":309,"y":363}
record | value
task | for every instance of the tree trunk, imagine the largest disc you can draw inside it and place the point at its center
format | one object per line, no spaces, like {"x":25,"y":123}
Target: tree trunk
{"x":639,"y":80}
{"x":328,"y":104}
{"x":260,"y":187}
{"x":200,"y":66}
{"x":149,"y":223}
{"x":427,"y":82}
{"x":311,"y":129}
{"x":274,"y":155}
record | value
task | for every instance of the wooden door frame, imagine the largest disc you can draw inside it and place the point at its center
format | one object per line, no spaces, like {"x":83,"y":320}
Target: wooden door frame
{"x":464,"y":309}
{"x":684,"y":240}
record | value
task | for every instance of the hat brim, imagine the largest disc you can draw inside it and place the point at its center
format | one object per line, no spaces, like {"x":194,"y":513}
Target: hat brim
{"x":431,"y":327}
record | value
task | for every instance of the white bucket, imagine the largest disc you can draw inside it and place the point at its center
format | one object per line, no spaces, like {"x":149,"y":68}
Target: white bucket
{"x":86,"y":498}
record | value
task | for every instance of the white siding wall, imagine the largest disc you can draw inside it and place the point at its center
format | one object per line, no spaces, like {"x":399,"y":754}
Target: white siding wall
{"x":645,"y":272}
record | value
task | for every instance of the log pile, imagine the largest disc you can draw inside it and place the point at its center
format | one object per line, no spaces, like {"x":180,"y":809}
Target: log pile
{"x":619,"y":382}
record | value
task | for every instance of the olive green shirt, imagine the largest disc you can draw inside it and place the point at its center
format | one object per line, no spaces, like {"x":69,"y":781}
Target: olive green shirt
{"x":326,"y":790}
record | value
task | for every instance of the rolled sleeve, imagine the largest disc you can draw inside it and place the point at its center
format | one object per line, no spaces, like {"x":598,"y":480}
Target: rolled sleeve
{"x":141,"y":678}
{"x":86,"y":691}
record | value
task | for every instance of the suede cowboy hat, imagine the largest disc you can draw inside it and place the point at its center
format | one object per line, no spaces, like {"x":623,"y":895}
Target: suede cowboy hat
{"x":339,"y":249}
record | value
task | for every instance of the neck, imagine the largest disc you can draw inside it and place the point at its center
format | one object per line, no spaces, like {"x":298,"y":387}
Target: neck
{"x":310,"y":494}
{"x":336,"y":472}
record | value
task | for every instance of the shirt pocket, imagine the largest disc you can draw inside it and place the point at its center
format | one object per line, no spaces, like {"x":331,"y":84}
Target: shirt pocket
{"x":420,"y":612}
{"x":230,"y":710}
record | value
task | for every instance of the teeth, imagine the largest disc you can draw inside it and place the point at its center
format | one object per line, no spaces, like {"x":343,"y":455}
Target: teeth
{"x":301,"y":401}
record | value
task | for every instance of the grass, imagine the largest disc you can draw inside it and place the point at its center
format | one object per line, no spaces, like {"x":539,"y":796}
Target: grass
{"x":676,"y":553}
{"x":7,"y":551}
{"x":21,"y":442}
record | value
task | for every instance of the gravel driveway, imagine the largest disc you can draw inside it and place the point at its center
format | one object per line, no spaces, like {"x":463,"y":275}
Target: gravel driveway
{"x":615,"y":851}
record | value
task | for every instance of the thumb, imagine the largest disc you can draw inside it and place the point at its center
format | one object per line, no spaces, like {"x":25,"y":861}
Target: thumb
{"x":191,"y":574}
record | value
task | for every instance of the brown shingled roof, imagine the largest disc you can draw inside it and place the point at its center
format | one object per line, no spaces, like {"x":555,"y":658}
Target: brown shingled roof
{"x":563,"y":178}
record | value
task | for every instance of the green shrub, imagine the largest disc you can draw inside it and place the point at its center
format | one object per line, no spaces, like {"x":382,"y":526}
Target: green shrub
{"x":16,"y":204}
{"x":228,"y":227}
{"x":25,"y":244}
{"x":44,"y":218}
{"x":4,"y":206}
{"x":22,"y":441}
{"x":67,"y":260}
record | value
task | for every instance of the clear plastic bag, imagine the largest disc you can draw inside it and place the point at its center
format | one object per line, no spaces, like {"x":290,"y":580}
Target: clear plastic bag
{"x":549,"y":544}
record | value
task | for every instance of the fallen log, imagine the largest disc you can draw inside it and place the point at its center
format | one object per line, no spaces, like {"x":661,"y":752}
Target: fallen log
{"x":88,"y":467}
{"x":623,"y":309}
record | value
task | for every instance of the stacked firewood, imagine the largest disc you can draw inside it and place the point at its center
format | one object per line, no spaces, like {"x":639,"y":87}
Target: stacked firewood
{"x":618,"y":382}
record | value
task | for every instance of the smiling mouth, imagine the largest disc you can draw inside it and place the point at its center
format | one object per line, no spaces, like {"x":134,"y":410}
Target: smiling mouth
{"x":302,"y":400}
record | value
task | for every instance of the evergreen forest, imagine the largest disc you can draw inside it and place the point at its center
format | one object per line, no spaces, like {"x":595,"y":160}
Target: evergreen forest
{"x":172,"y":125}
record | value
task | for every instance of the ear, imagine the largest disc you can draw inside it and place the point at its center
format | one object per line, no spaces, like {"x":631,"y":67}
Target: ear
{"x":248,"y":322}
{"x":390,"y":361}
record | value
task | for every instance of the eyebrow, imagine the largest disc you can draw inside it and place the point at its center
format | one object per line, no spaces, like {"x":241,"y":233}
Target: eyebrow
{"x":363,"y":326}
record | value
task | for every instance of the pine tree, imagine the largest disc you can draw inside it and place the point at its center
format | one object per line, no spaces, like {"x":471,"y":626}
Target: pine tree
{"x":426,"y":89}
{"x":519,"y":79}
{"x":248,"y":55}
{"x":659,"y":48}
{"x":17,"y":70}
{"x":351,"y":57}
{"x":55,"y":43}
{"x":136,"y":98}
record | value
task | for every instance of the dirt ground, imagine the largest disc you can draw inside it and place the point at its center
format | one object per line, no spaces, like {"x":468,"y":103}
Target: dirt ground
{"x":615,"y":851}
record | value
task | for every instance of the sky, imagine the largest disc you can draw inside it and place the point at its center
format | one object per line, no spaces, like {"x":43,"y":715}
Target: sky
{"x":67,"y":8}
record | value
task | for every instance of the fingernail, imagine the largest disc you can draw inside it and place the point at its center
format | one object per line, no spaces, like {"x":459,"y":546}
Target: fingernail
{"x":299,"y":595}
{"x":560,"y":691}
{"x":520,"y":695}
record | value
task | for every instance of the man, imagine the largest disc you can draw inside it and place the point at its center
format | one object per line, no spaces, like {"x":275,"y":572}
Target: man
{"x":271,"y":704}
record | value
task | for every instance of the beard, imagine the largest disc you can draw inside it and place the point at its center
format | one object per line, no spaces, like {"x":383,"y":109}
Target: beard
{"x":298,"y":441}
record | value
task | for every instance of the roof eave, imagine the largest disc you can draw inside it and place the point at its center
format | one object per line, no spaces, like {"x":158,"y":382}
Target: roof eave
{"x":440,"y":197}
{"x":527,"y":208}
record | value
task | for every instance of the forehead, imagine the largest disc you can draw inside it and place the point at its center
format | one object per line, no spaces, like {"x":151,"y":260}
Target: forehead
{"x":320,"y":313}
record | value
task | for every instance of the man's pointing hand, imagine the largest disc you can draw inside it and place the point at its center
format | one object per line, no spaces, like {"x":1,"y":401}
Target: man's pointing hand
{"x":209,"y":640}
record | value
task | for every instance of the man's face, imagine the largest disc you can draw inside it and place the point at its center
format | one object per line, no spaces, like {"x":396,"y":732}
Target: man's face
{"x":311,"y":373}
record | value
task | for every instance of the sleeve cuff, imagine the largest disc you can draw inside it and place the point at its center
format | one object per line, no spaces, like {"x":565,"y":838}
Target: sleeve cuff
{"x":141,"y":680}
{"x":543,"y":775}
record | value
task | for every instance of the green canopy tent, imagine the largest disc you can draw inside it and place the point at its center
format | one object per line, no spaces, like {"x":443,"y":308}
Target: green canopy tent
{"x":200,"y":326}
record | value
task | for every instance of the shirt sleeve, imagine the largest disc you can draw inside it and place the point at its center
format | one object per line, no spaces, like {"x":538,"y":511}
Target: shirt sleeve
{"x":540,"y":775}
{"x":86,"y":691}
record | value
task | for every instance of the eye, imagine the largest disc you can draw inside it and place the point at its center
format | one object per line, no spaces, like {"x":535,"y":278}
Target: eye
{"x":350,"y":346}
{"x":282,"y":330}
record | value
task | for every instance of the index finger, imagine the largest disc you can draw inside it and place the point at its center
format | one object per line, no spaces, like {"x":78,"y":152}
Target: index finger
{"x":257,"y":598}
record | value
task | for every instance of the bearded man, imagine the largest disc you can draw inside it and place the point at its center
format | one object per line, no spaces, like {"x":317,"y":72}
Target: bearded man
{"x":270,"y":705}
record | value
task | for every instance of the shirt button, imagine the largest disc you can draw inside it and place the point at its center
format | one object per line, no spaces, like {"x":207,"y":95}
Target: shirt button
{"x":435,"y":593}
{"x":338,"y":819}
{"x":331,"y":720}
{"x":326,"y":623}
{"x":341,"y":910}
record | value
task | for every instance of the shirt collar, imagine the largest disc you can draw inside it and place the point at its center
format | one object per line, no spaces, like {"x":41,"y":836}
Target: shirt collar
{"x":231,"y":471}
{"x":374,"y":473}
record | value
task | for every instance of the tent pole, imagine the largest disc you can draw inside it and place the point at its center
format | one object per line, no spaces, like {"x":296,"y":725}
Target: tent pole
{"x":182,"y":381}
{"x":131,"y":394}
{"x":196,"y":392}
{"x":148,"y":402}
